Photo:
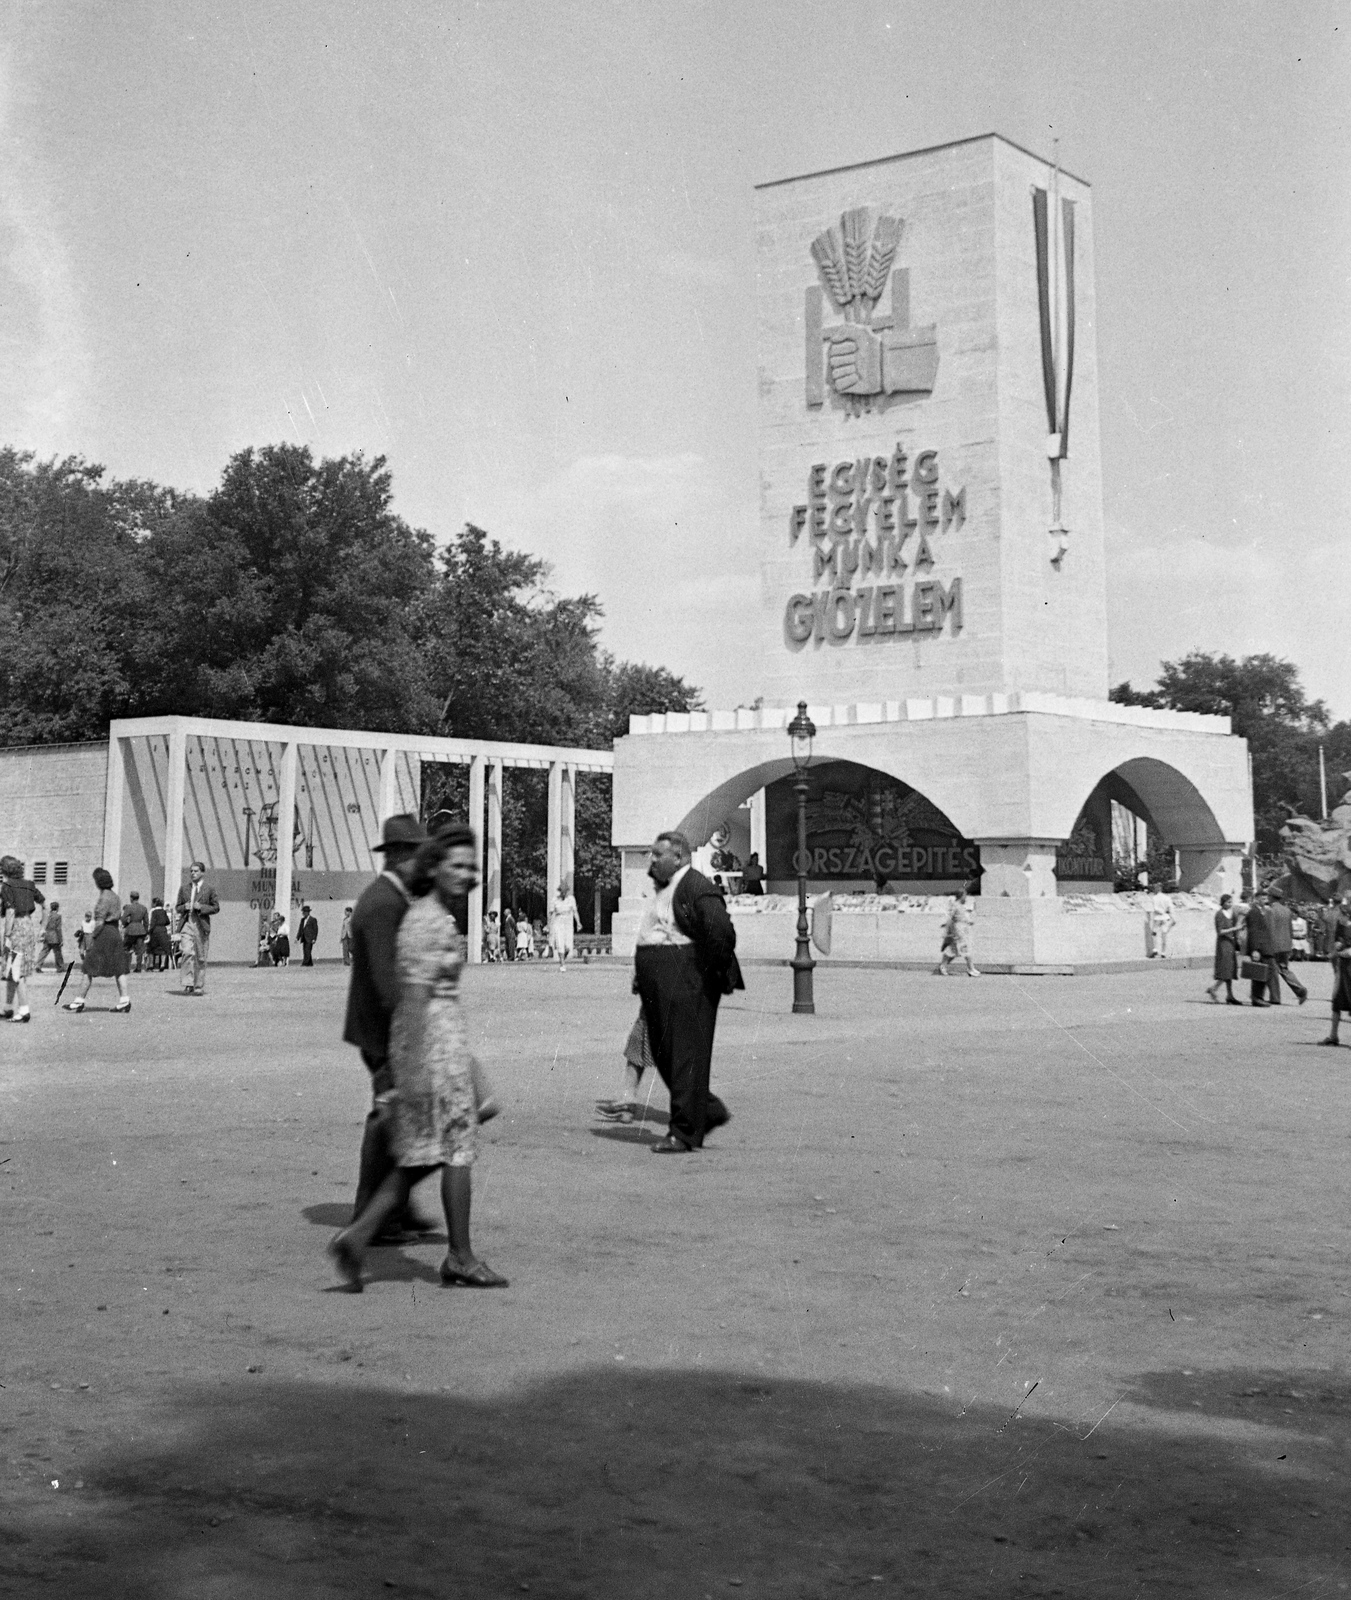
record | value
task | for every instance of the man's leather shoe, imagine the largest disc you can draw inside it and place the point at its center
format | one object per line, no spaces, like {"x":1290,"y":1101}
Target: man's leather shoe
{"x":672,"y":1147}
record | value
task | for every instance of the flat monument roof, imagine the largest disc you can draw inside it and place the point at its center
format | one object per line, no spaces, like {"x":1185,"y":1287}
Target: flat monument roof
{"x":905,"y":155}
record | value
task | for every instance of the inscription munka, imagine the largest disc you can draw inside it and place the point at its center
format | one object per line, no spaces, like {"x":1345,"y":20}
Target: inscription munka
{"x":866,"y":357}
{"x":860,"y":517}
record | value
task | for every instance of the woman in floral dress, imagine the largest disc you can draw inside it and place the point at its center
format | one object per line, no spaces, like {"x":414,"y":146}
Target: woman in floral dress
{"x":432,"y":1111}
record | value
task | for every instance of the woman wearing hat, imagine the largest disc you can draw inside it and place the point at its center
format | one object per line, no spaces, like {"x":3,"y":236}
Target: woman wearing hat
{"x":431,"y":1110}
{"x":105,"y":956}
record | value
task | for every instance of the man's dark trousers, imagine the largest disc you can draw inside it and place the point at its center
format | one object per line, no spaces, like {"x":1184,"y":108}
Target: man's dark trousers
{"x":682,"y":1013}
{"x":1280,"y":963}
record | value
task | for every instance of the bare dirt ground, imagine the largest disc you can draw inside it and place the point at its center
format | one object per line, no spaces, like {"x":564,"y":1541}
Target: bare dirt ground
{"x":1008,"y":1287}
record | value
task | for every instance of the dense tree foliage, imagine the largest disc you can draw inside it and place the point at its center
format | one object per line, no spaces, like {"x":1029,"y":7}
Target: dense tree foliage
{"x":1268,"y":707}
{"x":295,"y":594}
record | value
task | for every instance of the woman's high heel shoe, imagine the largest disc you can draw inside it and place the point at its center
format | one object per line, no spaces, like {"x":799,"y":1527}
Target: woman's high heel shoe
{"x":123,"y":1005}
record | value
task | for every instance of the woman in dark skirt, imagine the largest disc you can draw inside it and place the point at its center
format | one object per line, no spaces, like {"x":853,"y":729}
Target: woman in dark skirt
{"x":160,"y":950}
{"x":1226,"y":951}
{"x":105,"y":955}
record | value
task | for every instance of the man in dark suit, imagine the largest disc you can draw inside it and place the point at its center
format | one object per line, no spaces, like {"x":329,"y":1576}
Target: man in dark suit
{"x":197,"y":904}
{"x":309,"y":933}
{"x":684,"y":963}
{"x":1282,"y":941}
{"x":374,"y":988}
{"x":1258,"y":929}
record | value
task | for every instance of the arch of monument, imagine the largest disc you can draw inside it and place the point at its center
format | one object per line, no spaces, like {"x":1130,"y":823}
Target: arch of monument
{"x":179,"y":789}
{"x":932,"y":550}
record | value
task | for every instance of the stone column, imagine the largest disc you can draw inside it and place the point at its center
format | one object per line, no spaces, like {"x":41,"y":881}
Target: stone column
{"x":758,"y":843}
{"x":175,"y":782}
{"x":286,"y":831}
{"x":475,"y":929}
{"x":553,"y":853}
{"x":1021,"y":869}
{"x":389,"y":785}
{"x":116,"y":786}
{"x":567,"y":831}
{"x":1211,"y":868}
{"x":634,"y":884}
{"x":492,"y":840}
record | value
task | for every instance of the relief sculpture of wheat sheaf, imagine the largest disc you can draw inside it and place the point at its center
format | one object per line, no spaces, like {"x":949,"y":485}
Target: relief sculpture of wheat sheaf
{"x":865,"y":358}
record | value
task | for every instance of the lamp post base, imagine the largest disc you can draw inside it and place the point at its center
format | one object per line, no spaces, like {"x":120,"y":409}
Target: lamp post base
{"x":803,"y":966}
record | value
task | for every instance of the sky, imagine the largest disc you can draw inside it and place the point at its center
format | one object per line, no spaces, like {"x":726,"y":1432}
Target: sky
{"x":509,"y":246}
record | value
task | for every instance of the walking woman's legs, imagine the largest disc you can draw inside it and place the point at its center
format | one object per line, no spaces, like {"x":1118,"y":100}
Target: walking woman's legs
{"x":456,"y":1196}
{"x":349,"y":1247}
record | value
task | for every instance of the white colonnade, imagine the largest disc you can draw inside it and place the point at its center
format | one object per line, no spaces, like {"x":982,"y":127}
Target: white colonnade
{"x":486,"y":760}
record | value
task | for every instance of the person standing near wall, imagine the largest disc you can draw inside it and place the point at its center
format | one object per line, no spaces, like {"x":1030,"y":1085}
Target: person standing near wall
{"x":309,"y":935}
{"x":1161,"y":919}
{"x":197,"y":904}
{"x":345,"y":936}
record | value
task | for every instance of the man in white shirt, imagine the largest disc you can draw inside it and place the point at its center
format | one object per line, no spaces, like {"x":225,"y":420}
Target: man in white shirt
{"x":197,"y":904}
{"x":685,"y":961}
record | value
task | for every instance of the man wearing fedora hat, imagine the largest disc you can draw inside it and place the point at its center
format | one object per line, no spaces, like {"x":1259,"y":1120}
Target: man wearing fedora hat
{"x":374,"y":988}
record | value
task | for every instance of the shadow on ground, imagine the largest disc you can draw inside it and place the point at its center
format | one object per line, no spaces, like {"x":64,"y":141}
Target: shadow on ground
{"x":688,"y":1484}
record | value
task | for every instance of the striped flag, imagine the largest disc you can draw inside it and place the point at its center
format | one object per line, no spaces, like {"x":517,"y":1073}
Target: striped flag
{"x":1054,"y":221}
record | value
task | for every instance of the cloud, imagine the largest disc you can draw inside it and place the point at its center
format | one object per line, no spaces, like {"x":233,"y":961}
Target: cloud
{"x":1167,"y":596}
{"x":43,"y":361}
{"x":666,"y":547}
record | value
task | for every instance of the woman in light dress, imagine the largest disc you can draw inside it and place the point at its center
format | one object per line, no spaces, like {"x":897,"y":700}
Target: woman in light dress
{"x":959,"y":935}
{"x":563,"y":922}
{"x":435,"y":1107}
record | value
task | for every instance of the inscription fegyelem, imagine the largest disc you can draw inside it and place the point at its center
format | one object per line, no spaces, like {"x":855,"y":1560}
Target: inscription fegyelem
{"x":859,"y":519}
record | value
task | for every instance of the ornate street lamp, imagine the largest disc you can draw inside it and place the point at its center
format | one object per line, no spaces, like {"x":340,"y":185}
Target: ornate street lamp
{"x":801,"y":732}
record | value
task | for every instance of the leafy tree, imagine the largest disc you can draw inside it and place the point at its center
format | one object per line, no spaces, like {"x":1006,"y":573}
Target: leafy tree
{"x":1268,"y":707}
{"x":285,"y":597}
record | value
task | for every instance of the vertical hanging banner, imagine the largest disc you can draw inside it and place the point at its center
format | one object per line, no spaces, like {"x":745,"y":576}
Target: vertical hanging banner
{"x":1053,"y":221}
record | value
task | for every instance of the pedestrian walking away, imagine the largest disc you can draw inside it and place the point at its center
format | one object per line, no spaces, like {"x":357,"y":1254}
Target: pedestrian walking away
{"x":135,"y":929}
{"x":959,"y":935}
{"x":1339,"y":947}
{"x":684,"y":962}
{"x":431,"y":1105}
{"x":373,"y":993}
{"x":1228,"y":932}
{"x":105,"y":955}
{"x":19,"y":899}
{"x":309,"y":935}
{"x":1281,"y":924}
{"x":197,"y":904}
{"x":563,"y":923}
{"x":52,"y":938}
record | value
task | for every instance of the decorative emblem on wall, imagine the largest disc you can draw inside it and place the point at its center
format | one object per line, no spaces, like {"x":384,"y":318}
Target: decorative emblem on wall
{"x":267,"y":834}
{"x":865,"y":357}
